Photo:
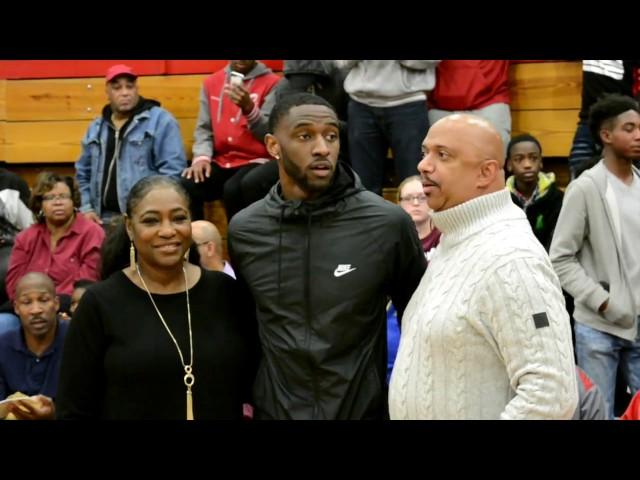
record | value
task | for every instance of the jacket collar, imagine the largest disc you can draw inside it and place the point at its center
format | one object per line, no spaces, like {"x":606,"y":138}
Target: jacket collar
{"x":344,"y":184}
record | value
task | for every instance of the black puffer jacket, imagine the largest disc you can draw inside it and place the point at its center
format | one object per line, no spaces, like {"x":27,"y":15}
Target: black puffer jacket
{"x":320,"y":273}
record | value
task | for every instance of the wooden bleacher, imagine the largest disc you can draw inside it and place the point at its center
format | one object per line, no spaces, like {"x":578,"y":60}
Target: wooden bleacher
{"x":546,"y":98}
{"x":42,"y":120}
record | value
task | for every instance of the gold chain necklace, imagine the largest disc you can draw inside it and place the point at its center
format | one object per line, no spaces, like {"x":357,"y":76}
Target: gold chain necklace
{"x":189,"y":379}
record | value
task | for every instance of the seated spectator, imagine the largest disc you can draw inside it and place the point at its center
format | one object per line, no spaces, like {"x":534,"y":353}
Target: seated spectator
{"x":531,"y":189}
{"x":62,"y":244}
{"x":320,"y":77}
{"x":478,"y":87}
{"x":134,"y":138}
{"x":412,"y":199}
{"x":208,"y":242}
{"x":227,"y":145}
{"x":14,"y":217}
{"x":11,"y":181}
{"x":30,"y":356}
{"x":79,"y":287}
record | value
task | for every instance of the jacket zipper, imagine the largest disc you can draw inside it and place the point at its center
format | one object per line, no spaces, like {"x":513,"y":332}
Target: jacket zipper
{"x":307,"y":295}
{"x":116,"y":155}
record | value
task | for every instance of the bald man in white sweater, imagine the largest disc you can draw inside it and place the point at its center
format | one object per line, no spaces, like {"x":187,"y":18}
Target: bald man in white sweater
{"x":486,"y":334}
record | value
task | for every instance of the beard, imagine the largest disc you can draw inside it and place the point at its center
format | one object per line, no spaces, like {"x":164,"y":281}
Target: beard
{"x":304,"y":180}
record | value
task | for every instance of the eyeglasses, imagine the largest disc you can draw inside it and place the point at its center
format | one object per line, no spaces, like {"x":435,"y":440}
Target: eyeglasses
{"x":420,"y":198}
{"x":60,"y":196}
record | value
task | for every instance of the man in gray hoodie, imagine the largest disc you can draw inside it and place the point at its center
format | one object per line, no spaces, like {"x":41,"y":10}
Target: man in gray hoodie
{"x":387,"y":109}
{"x":593,"y":249}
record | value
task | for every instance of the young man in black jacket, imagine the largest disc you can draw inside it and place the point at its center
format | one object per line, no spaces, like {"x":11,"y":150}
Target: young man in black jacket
{"x":531,"y":189}
{"x":320,"y":255}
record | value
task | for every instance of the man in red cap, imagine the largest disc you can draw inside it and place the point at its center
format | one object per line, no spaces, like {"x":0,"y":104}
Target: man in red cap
{"x":134,"y":138}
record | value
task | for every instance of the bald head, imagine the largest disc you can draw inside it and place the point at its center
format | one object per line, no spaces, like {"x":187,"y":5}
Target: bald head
{"x":37,"y":305}
{"x":477,"y":132}
{"x":35,"y":281}
{"x":209,"y":244}
{"x":463,"y":159}
{"x":204,"y":231}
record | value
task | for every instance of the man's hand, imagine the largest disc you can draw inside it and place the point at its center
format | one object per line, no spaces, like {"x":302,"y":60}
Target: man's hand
{"x":38,"y":407}
{"x":198,"y":171}
{"x":92,"y":216}
{"x":240,"y":97}
{"x":603,"y":307}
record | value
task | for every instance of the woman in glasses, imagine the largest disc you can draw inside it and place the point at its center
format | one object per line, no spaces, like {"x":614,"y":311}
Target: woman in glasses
{"x":62,"y":243}
{"x":412,"y":199}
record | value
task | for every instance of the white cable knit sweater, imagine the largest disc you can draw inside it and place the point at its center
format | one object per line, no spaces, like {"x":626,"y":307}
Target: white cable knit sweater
{"x":470,"y":346}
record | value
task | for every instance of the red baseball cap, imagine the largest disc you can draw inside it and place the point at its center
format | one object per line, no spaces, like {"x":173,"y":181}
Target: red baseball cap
{"x":119,"y":69}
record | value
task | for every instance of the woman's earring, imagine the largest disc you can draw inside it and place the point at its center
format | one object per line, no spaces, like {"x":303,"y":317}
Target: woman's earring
{"x":132,"y":257}
{"x":186,"y":254}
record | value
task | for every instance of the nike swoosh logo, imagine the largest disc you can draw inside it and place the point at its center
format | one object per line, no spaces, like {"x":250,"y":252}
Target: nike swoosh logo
{"x":340,"y":273}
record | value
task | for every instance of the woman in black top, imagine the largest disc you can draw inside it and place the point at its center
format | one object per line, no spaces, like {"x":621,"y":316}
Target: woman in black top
{"x":141,"y":345}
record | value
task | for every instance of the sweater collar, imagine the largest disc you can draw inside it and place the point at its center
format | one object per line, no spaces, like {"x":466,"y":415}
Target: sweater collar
{"x":475,"y":215}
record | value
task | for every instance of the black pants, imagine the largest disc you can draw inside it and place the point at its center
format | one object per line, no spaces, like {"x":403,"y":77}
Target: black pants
{"x":237,"y":187}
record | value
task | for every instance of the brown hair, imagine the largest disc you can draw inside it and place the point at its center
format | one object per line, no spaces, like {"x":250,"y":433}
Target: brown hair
{"x":45,"y":182}
{"x":403,"y":183}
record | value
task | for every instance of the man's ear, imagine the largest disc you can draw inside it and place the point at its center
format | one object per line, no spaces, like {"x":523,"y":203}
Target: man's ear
{"x":605,"y":135}
{"x":273,"y":147}
{"x":489,"y":169}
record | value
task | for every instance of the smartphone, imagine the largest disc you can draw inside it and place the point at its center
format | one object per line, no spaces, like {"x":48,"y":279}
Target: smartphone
{"x":236,"y":78}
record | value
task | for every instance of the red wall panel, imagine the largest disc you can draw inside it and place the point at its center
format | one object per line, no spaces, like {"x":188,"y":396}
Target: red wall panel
{"x":174,"y":67}
{"x":14,"y":69}
{"x":17,"y":69}
{"x":208,"y":66}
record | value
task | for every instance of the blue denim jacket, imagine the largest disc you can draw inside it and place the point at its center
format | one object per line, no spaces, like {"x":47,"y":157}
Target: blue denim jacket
{"x":151,"y":145}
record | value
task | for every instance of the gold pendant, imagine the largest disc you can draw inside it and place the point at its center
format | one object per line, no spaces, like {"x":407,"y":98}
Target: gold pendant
{"x":189,"y":405}
{"x":189,"y":380}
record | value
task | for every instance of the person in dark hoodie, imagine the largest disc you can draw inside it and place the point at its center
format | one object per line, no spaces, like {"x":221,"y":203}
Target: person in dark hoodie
{"x":228,"y":143}
{"x":531,"y":189}
{"x":134,"y":138}
{"x":320,"y":255}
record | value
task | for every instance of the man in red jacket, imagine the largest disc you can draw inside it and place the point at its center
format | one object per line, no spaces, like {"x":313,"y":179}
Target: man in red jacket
{"x":478,"y":87}
{"x":226,"y":144}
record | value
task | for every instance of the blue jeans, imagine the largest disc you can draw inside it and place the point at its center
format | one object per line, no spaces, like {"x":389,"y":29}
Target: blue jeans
{"x":599,"y":354}
{"x":8,"y":321}
{"x":372,"y":130}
